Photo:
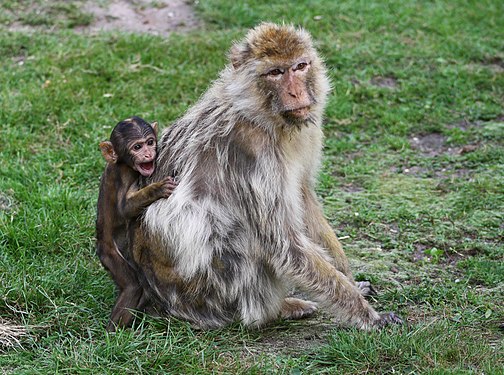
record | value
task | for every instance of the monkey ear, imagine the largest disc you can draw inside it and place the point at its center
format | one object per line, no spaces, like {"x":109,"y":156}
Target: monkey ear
{"x":154,"y":127}
{"x":108,"y":152}
{"x":238,"y":54}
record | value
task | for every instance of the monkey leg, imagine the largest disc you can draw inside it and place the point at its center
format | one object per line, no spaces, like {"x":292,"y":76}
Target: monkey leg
{"x":294,"y":308}
{"x":128,"y":300}
{"x":124,"y":276}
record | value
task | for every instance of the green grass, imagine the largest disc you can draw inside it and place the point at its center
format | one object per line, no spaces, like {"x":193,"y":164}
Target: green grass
{"x":412,"y":179}
{"x":54,"y":14}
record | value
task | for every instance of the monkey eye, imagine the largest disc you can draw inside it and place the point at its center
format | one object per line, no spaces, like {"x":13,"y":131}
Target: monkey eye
{"x":301,"y":66}
{"x":150,"y":142}
{"x":137,"y":147}
{"x":275,"y":72}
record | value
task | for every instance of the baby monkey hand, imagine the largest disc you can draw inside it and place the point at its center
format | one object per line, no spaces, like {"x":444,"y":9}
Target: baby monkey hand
{"x":169,"y":184}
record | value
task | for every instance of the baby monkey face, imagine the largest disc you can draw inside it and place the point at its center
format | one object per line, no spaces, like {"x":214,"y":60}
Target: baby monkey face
{"x":143,"y":153}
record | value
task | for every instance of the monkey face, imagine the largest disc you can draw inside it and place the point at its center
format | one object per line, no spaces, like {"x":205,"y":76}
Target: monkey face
{"x":143,"y":155}
{"x":133,"y":142}
{"x":288,"y":84}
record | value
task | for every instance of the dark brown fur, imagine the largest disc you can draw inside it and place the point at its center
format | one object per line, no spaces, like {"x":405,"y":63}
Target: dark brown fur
{"x":120,"y":202}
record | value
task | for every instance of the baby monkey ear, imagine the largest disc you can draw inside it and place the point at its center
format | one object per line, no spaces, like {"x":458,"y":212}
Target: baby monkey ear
{"x":108,"y":152}
{"x":154,"y":127}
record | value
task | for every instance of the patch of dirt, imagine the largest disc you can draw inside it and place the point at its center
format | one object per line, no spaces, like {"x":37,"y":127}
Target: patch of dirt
{"x":499,"y":118}
{"x":385,"y":82}
{"x":444,"y":173}
{"x":160,"y":17}
{"x":432,"y":144}
{"x":6,"y":201}
{"x":296,"y":336}
{"x":142,"y":16}
{"x":415,"y":171}
{"x":458,"y":173}
{"x":463,"y":125}
{"x":449,"y":256}
{"x":419,"y":253}
{"x":351,"y":188}
{"x":495,"y":63}
{"x":496,"y":60}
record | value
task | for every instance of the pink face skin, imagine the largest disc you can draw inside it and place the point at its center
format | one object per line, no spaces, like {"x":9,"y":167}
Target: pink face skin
{"x":290,"y":83}
{"x":143,"y":152}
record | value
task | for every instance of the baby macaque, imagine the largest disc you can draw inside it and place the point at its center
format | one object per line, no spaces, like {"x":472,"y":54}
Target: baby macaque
{"x":130,"y":155}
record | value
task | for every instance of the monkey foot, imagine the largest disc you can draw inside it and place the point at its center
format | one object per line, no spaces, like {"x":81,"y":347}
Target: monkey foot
{"x":366,"y":288}
{"x":388,"y":318}
{"x":294,"y":308}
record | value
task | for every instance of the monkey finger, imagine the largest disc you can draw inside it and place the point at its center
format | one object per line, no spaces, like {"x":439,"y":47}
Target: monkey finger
{"x":170,"y":186}
{"x":171,"y":180}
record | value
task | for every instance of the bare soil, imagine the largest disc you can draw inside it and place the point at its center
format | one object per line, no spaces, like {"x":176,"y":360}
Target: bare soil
{"x":160,"y":17}
{"x":384,"y":82}
{"x":430,"y":144}
{"x":142,"y":16}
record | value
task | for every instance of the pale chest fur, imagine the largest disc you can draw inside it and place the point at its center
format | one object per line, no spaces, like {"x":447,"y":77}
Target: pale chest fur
{"x":301,"y":155}
{"x":280,"y":174}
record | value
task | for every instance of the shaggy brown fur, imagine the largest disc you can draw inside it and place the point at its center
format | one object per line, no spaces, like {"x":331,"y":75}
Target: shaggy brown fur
{"x":244,"y":224}
{"x":131,"y":152}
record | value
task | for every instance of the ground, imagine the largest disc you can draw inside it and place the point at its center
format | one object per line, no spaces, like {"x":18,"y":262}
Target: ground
{"x":158,"y":18}
{"x":138,"y":16}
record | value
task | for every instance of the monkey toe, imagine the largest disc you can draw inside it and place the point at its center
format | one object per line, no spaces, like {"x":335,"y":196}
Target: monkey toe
{"x":388,"y":318}
{"x":111,"y":327}
{"x":366,"y":288}
{"x":294,"y":308}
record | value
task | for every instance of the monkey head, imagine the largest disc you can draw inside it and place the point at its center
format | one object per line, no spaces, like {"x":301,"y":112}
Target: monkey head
{"x":133,"y":142}
{"x":289,"y":77}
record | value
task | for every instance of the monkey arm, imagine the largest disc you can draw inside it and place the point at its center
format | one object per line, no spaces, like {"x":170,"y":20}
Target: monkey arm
{"x":135,"y":201}
{"x":321,"y":232}
{"x":312,"y":269}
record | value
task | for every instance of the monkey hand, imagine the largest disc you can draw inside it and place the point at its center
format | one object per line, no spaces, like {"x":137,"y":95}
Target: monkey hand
{"x":168,"y":185}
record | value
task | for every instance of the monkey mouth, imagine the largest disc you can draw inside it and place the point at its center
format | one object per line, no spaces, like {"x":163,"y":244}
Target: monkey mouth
{"x":146,"y":169}
{"x":298,"y":113}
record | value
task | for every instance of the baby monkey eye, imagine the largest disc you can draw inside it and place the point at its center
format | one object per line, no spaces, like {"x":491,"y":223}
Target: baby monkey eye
{"x":137,"y":147}
{"x":150,"y":142}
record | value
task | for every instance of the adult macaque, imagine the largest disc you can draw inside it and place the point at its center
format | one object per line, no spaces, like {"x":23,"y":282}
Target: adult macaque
{"x":244,"y":224}
{"x":130,"y":153}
